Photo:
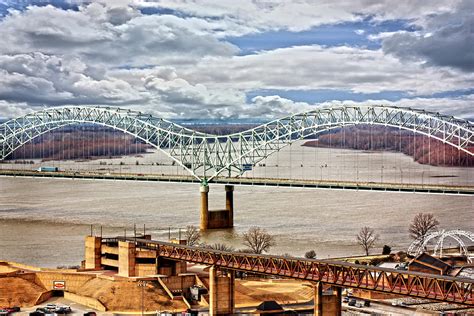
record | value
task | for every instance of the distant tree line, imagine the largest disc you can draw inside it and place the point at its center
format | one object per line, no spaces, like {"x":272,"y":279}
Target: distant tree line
{"x":222,"y":129}
{"x":90,"y":142}
{"x":80,"y":144}
{"x":423,"y":149}
{"x":257,"y":240}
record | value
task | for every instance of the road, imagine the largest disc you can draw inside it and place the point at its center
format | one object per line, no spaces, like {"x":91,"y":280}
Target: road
{"x":77,"y":309}
{"x":379,"y":309}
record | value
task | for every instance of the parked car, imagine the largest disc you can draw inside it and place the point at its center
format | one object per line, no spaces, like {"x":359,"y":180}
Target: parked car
{"x":352,"y":302}
{"x":359,"y":305}
{"x":51,"y":306}
{"x":346,"y":299}
{"x":63,"y":310}
{"x":4,"y":312}
{"x":36,"y":313}
{"x":44,"y":310}
{"x":367,"y":303}
{"x":90,"y":314}
{"x":14,"y":309}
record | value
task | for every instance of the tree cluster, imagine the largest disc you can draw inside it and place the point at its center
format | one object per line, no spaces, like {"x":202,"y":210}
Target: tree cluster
{"x":257,"y":239}
{"x":77,"y":144}
{"x":423,"y":149}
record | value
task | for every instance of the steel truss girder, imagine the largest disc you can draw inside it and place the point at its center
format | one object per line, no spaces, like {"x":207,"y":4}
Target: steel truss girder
{"x":205,"y":156}
{"x":407,"y":283}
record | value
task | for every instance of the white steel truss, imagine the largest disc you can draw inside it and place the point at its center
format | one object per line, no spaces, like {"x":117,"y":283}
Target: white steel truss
{"x":205,"y":156}
{"x":418,"y":246}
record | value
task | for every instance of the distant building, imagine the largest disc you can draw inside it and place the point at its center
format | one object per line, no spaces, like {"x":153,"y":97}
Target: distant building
{"x":389,"y":265}
{"x":428,"y":264}
{"x":127,"y":259}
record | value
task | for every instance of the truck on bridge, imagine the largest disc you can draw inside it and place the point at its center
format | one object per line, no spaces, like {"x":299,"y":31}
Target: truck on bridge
{"x":48,"y":169}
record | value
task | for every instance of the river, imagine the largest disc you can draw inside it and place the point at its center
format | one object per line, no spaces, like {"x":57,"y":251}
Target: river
{"x":43,"y":221}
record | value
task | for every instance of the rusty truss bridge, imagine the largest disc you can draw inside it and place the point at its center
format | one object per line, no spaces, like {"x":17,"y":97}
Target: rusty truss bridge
{"x":206,"y":156}
{"x":335,"y":273}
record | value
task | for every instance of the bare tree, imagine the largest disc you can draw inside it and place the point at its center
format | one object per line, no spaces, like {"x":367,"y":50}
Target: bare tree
{"x":192,"y":235}
{"x":367,"y":238}
{"x":422,"y":224}
{"x":258,"y":240}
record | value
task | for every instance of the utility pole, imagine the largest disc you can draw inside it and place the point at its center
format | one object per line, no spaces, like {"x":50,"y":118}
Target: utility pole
{"x":142,"y":284}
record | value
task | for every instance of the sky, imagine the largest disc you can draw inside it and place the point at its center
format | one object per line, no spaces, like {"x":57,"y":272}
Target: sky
{"x":236,"y":59}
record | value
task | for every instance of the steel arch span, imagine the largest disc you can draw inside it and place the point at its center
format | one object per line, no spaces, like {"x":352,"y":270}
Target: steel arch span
{"x":205,"y":156}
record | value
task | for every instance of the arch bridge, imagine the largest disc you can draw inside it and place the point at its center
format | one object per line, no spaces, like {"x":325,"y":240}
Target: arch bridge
{"x":206,"y":156}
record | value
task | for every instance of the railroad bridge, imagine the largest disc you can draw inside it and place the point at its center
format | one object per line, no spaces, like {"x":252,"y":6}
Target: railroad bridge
{"x":321,"y":272}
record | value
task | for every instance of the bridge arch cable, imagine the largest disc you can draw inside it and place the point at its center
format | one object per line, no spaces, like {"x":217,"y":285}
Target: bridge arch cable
{"x":206,"y":156}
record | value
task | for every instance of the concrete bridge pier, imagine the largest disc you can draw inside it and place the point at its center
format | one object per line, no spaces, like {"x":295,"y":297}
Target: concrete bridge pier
{"x":93,"y":253}
{"x":327,"y":303}
{"x":215,"y":219}
{"x":229,"y":204}
{"x":221,"y":292}
{"x":204,"y":189}
{"x":318,"y":299}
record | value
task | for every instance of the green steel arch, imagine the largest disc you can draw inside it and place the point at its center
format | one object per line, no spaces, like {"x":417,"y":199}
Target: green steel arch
{"x":205,"y":156}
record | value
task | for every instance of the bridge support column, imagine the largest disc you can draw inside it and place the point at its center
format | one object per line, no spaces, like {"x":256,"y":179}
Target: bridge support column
{"x":327,"y":303}
{"x":221,"y":292}
{"x":126,"y":259}
{"x":229,"y":203}
{"x":93,"y":252}
{"x":338,"y":294}
{"x":217,"y":219}
{"x":204,"y":189}
{"x":318,"y":299}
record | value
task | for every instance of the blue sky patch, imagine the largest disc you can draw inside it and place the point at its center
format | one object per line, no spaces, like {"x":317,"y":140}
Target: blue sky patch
{"x":326,"y":95}
{"x":323,"y":95}
{"x":349,"y":34}
{"x":21,"y":5}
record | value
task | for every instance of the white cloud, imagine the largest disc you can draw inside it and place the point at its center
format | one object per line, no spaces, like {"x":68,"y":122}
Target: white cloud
{"x":118,"y":38}
{"x":299,"y":15}
{"x":317,"y":67}
{"x":446,"y":39}
{"x":276,"y":106}
{"x":461,"y":106}
{"x":37,"y":78}
{"x":108,"y":52}
{"x":13,"y":109}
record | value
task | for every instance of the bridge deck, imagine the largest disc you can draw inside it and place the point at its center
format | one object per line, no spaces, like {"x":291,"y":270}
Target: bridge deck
{"x":414,"y":284}
{"x":323,"y":184}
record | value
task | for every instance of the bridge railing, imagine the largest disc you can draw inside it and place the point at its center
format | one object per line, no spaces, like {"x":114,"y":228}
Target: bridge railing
{"x":408,"y":283}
